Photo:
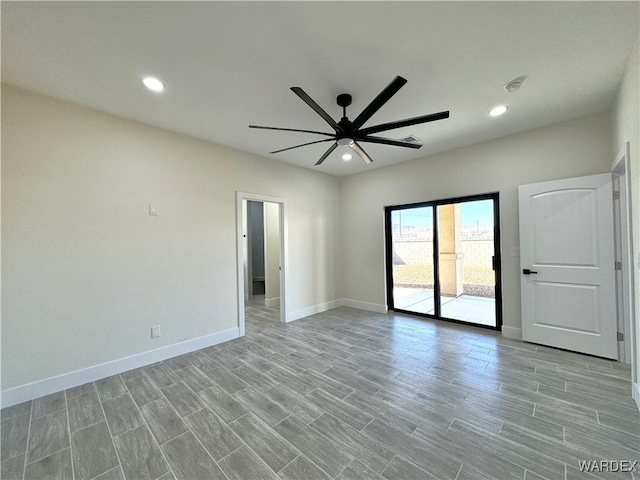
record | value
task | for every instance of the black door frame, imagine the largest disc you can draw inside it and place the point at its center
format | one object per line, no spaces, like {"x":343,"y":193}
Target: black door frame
{"x":497,"y":261}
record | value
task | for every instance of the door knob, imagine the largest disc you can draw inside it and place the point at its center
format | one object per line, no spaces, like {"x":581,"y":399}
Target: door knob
{"x":526,"y":271}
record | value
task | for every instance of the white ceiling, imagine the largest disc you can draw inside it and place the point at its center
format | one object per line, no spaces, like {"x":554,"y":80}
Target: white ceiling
{"x":230,"y":64}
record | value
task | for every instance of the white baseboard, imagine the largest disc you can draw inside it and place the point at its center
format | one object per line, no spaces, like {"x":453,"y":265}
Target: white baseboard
{"x":512,"y":332}
{"x":635,"y":391}
{"x":321,"y":307}
{"x":341,"y":302}
{"x":369,"y":307}
{"x":20,"y":394}
{"x":272,"y":302}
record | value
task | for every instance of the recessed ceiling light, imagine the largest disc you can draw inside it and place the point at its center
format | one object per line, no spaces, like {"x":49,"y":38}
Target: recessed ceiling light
{"x":153,"y":84}
{"x":346,"y":157}
{"x":499,"y":110}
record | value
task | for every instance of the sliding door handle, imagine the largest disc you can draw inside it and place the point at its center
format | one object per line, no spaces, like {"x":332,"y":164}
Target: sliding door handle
{"x":526,"y":271}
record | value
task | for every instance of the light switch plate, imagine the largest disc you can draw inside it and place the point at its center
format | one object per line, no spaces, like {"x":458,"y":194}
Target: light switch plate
{"x":153,"y":210}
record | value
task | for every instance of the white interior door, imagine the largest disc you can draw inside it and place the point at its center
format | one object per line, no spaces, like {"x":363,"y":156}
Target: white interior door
{"x":567,"y":245}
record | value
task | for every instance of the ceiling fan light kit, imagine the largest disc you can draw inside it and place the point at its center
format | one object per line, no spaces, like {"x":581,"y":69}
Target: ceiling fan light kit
{"x":349,"y":133}
{"x":345,"y":142}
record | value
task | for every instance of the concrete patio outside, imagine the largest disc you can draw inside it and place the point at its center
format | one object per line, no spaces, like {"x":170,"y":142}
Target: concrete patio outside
{"x":467,"y":308}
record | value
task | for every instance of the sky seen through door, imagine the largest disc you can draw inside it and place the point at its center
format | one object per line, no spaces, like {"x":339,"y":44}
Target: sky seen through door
{"x":476,"y":220}
{"x":471,"y":213}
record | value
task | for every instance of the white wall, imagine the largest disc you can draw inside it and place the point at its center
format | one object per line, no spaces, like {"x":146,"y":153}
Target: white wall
{"x":86,"y":271}
{"x":574,"y":148}
{"x":625,"y":120}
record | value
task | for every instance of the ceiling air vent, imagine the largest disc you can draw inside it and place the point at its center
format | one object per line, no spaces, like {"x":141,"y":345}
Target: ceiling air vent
{"x":410,"y":139}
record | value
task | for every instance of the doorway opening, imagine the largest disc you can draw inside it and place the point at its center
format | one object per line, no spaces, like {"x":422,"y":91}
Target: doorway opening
{"x":443,"y":259}
{"x":262,"y":265}
{"x":261,"y":233}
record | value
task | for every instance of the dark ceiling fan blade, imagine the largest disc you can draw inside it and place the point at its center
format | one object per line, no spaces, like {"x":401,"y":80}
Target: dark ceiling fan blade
{"x":388,"y":141}
{"x":292,"y":130}
{"x":326,"y":154}
{"x":302,"y":145}
{"x":318,"y":109}
{"x":376,"y":104}
{"x":361,"y":153}
{"x":404,"y":123}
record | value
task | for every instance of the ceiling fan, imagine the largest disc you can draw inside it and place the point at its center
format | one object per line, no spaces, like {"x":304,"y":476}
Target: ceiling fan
{"x":350,"y":133}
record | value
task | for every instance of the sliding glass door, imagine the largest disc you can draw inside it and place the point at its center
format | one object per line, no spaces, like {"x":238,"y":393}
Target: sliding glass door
{"x":443,"y":259}
{"x":413,"y":274}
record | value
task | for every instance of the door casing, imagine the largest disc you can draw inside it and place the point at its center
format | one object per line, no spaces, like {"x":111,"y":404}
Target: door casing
{"x":621,"y":169}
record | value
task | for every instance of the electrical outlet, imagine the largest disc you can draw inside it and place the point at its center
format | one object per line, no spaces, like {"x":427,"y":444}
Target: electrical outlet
{"x":515,"y":252}
{"x":155,"y":331}
{"x":153,"y":210}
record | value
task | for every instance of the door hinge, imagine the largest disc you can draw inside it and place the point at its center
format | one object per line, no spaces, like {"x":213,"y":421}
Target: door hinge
{"x":618,"y":265}
{"x":616,"y":195}
{"x":620,"y":337}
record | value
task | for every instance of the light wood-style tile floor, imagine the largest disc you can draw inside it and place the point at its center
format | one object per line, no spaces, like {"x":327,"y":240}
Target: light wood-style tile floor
{"x":345,"y":394}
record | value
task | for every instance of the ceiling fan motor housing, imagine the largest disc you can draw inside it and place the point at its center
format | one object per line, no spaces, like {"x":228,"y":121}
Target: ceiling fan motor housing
{"x":346,"y":127}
